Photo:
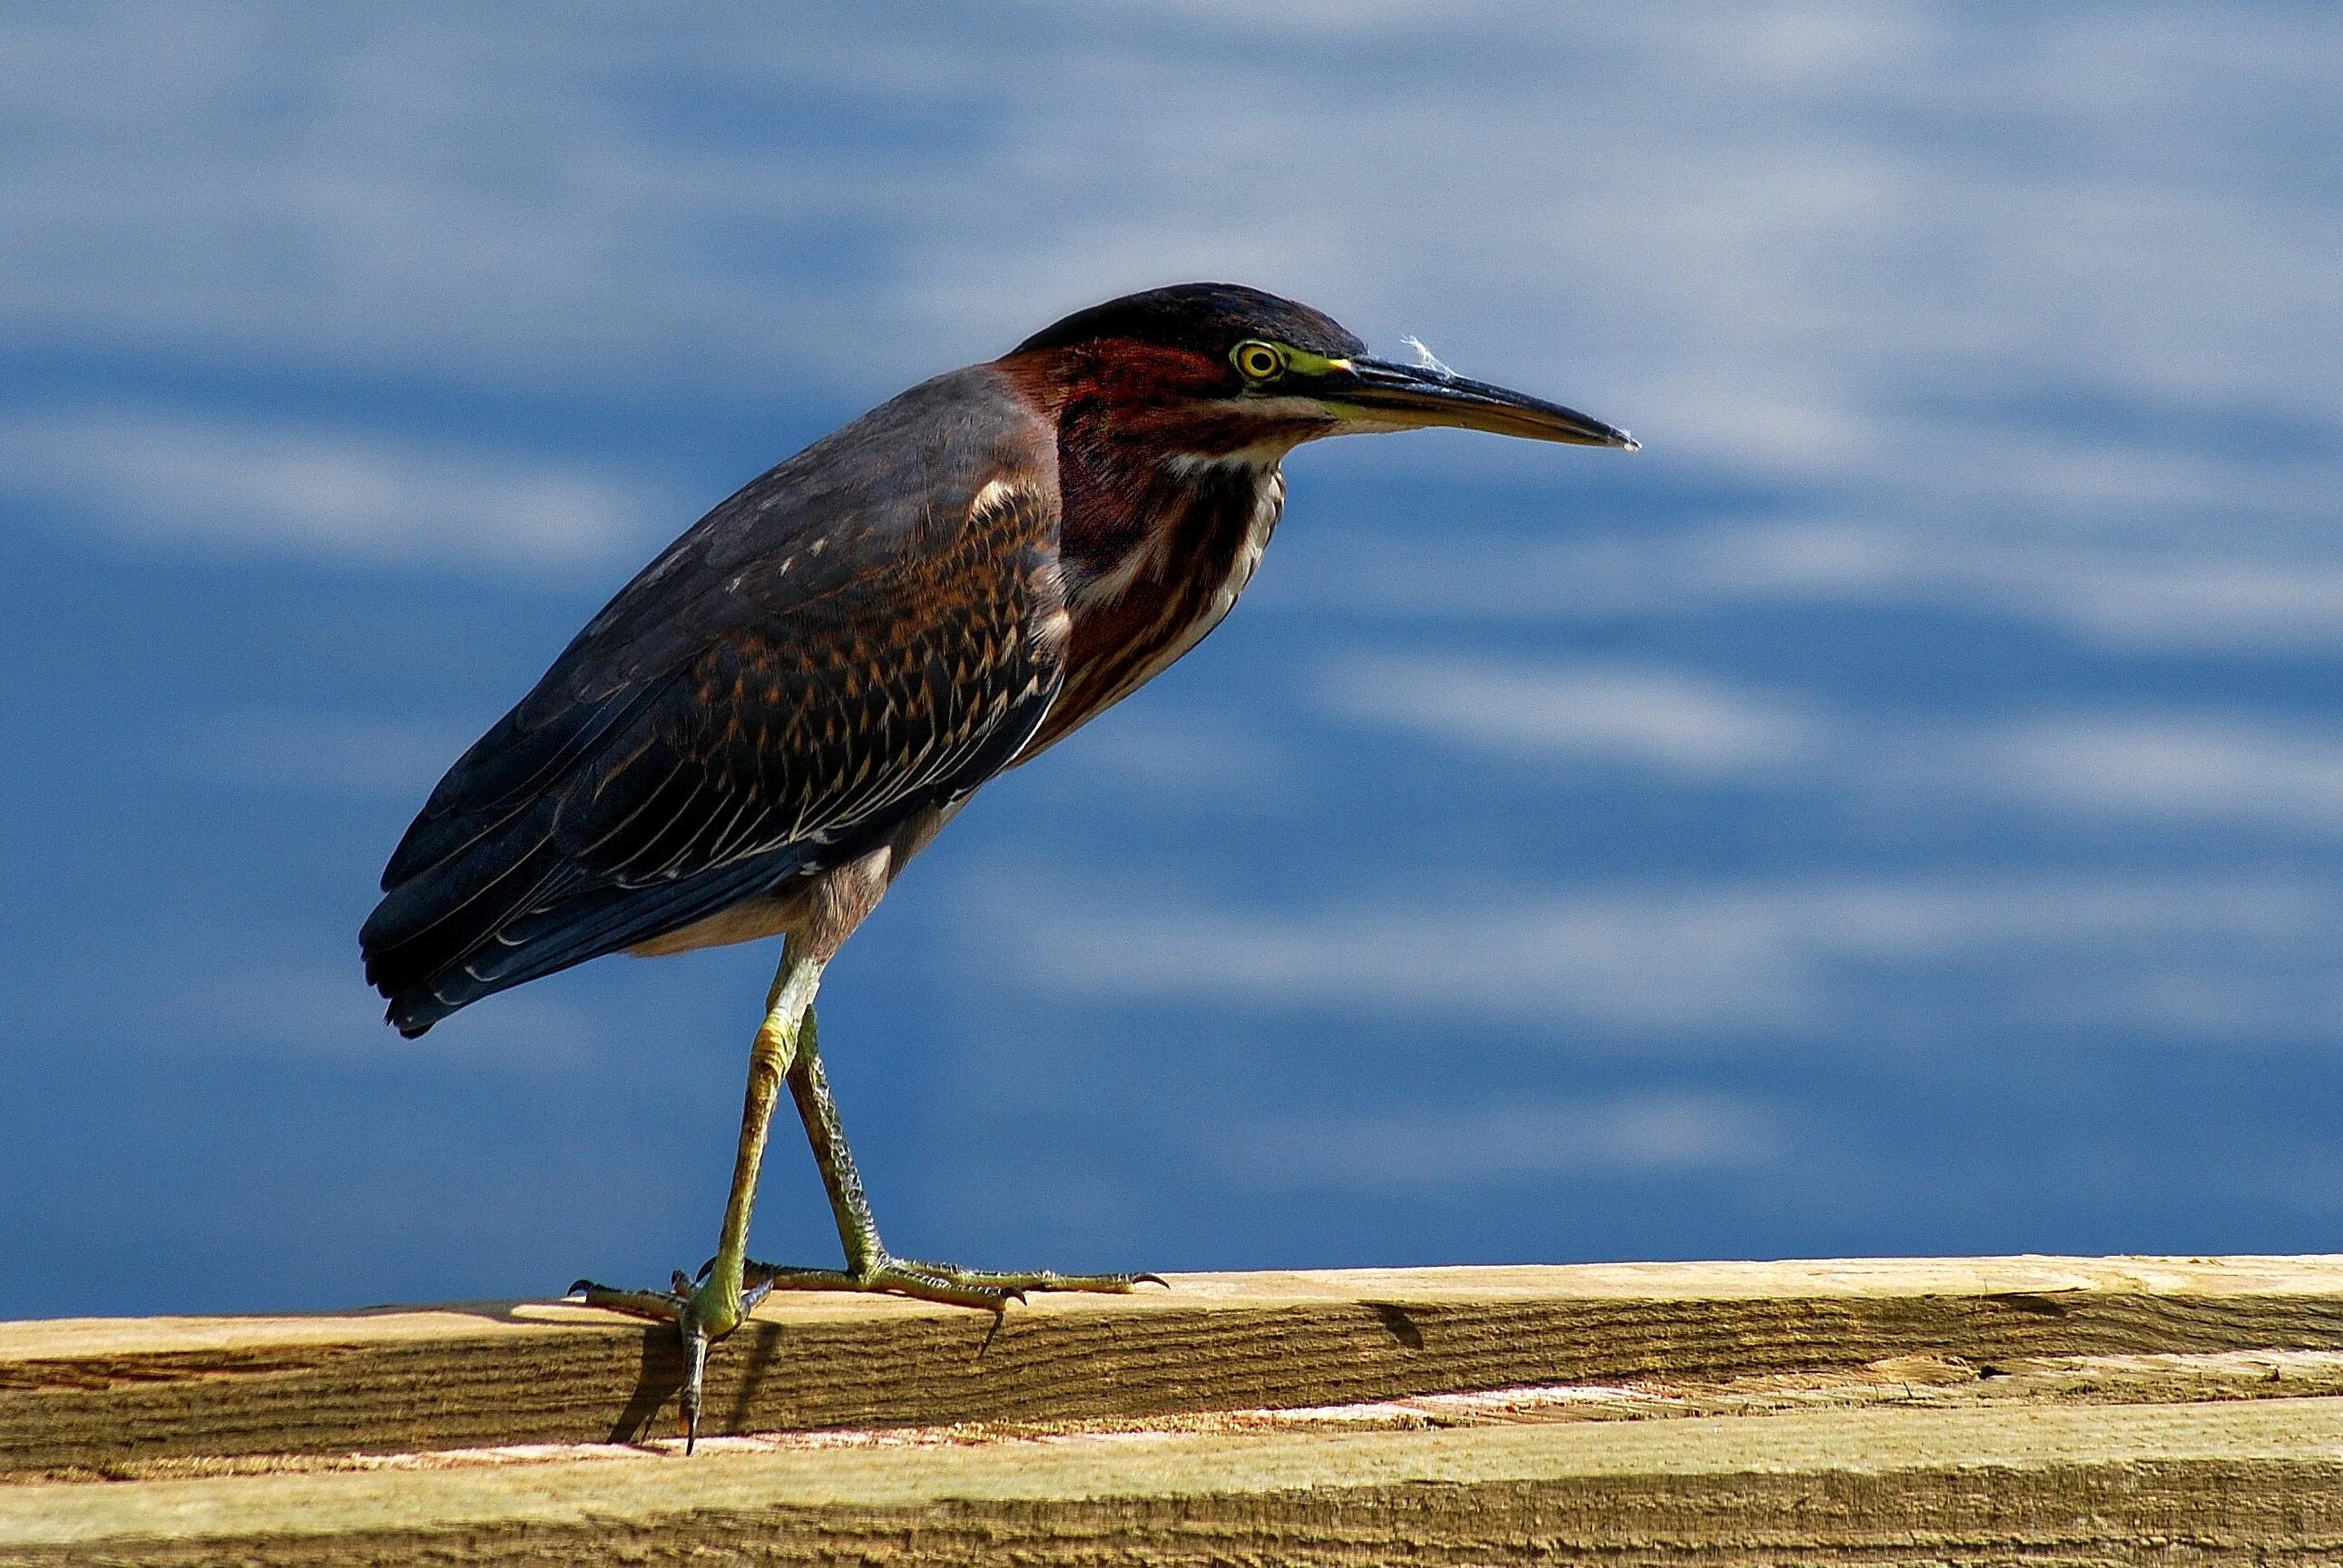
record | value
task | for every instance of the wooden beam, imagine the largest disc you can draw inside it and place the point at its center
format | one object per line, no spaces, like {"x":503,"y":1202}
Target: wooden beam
{"x":2245,"y":1480}
{"x":2044,"y":1409}
{"x":97,"y":1394}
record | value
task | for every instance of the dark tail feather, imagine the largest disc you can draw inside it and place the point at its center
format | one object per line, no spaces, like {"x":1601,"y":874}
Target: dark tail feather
{"x":497,"y":780}
{"x":430,"y":962}
{"x":434,"y":921}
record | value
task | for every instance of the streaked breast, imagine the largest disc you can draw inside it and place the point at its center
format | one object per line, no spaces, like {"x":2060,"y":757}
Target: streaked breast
{"x":1137,"y":614}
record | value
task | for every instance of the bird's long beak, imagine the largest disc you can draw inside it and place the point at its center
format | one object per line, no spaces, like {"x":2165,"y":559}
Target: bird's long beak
{"x":1383,"y":395}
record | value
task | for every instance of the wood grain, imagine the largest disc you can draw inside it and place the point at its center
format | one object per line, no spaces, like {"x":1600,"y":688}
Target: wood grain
{"x":2035,"y":1410}
{"x":96,"y":1393}
{"x":2258,"y":1481}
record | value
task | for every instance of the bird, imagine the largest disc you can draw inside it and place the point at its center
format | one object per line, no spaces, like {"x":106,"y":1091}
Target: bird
{"x":763,"y":729}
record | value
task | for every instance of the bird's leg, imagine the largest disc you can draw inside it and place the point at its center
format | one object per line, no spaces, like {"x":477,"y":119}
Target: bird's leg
{"x":869,"y":1265}
{"x":721,"y":1299}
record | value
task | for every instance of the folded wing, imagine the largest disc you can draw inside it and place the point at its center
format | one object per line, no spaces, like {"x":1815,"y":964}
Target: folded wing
{"x":871,"y":630}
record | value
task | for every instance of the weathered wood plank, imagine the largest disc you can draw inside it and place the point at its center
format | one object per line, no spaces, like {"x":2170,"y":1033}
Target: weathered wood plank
{"x":2256,"y":1480}
{"x":95,"y":1394}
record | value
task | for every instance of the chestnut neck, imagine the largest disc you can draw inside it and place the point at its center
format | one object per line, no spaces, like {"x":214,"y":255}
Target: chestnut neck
{"x":1143,"y":433}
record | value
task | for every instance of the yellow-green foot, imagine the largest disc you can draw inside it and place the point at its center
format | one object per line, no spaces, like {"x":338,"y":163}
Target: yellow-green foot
{"x":702,"y":1314}
{"x":947,"y":1282}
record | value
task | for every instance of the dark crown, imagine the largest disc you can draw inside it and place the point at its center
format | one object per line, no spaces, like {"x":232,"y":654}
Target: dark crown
{"x":1207,"y":317}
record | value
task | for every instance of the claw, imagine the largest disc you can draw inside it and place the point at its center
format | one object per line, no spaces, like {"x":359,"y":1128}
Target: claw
{"x":948,"y":1284}
{"x":680,"y":1307}
{"x":945,"y":1282}
{"x":659,"y":1306}
{"x":695,"y":1376}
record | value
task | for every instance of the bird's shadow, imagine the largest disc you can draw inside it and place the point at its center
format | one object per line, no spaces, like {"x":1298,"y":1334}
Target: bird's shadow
{"x":1398,"y":1323}
{"x":658,"y":1378}
{"x":512,"y":1311}
{"x":658,"y":1374}
{"x":748,"y":1358}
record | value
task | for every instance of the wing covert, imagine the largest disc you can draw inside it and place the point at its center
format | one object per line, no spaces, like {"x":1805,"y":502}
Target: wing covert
{"x":872,"y":629}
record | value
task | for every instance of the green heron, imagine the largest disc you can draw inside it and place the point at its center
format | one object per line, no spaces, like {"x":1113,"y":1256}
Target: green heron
{"x":760,"y":729}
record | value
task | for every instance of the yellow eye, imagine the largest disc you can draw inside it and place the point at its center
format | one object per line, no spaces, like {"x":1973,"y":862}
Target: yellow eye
{"x":1259,"y":362}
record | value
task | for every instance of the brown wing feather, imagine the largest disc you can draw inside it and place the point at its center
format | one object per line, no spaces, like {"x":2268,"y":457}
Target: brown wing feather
{"x":872,"y":629}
